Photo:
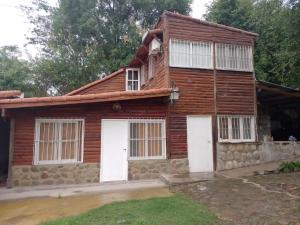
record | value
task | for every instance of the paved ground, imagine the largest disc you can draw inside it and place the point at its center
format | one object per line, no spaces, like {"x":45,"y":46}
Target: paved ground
{"x":256,"y":200}
{"x":70,"y":190}
{"x":31,"y":211}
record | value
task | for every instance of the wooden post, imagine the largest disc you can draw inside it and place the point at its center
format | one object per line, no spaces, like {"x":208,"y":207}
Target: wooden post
{"x":11,"y":152}
{"x":214,"y":117}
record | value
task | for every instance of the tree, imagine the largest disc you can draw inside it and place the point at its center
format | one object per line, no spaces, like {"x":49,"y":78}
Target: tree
{"x":82,"y":39}
{"x":15,"y":74}
{"x":234,"y":13}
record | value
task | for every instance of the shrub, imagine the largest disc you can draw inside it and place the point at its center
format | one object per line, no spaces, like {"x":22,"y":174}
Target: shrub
{"x":293,"y":166}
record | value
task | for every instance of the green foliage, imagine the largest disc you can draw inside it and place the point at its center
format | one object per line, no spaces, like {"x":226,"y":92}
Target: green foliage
{"x":277,"y":22}
{"x":287,"y":167}
{"x":15,"y":74}
{"x":82,"y":39}
{"x":171,"y":210}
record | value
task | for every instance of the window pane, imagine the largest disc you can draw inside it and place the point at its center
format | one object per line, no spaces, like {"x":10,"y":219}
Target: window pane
{"x":137,"y":140}
{"x":146,"y":139}
{"x":132,"y":80}
{"x":247,"y":127}
{"x":223,"y":126}
{"x":47,"y":142}
{"x":201,"y":55}
{"x":154,"y":139}
{"x":234,"y":57}
{"x":69,"y":141}
{"x":235,"y":122}
{"x":59,"y":140}
{"x":129,"y":74}
{"x":135,"y":75}
{"x":180,"y":53}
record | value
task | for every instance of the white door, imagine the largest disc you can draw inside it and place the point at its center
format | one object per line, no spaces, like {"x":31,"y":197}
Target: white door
{"x":199,"y":136}
{"x":114,"y":141}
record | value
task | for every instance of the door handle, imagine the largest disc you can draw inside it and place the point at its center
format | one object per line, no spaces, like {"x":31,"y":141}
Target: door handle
{"x":124,"y":149}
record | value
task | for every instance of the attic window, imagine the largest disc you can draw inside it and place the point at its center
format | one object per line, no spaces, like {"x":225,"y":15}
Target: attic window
{"x":132,"y":79}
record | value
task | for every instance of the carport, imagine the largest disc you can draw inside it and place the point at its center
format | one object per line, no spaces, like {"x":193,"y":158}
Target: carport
{"x":278,"y":111}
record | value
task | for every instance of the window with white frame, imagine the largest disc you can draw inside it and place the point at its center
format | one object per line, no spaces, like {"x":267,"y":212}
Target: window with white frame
{"x":236,"y":128}
{"x":58,"y":141}
{"x":132,"y":79}
{"x":234,"y":57}
{"x":191,"y":54}
{"x":147,"y":139}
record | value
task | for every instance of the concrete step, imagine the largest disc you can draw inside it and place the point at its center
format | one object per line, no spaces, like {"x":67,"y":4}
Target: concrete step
{"x":174,"y":179}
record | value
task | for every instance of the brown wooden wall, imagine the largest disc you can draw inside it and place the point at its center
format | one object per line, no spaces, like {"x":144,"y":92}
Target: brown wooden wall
{"x":190,"y":30}
{"x":116,"y":83}
{"x":196,"y":91}
{"x":92,"y":113}
{"x":235,"y":93}
{"x":160,"y":78}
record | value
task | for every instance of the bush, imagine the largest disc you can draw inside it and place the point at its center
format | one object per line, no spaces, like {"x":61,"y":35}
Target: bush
{"x":287,"y":167}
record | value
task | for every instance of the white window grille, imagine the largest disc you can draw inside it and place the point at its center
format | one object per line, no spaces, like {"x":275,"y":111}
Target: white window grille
{"x":147,"y":139}
{"x":132,"y":79}
{"x":190,"y":54}
{"x":58,"y":141}
{"x":236,"y":128}
{"x":234,"y":57}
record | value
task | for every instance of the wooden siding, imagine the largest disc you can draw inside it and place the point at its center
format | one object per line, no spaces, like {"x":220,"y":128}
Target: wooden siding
{"x":177,"y":135}
{"x":116,"y":83}
{"x":92,"y":113}
{"x":196,"y":91}
{"x":159,"y":80}
{"x":191,"y":30}
{"x":235,"y":93}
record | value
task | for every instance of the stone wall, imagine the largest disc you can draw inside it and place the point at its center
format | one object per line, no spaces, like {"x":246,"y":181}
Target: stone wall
{"x":55,"y":174}
{"x":151,"y":169}
{"x":279,"y":150}
{"x":236,"y":155}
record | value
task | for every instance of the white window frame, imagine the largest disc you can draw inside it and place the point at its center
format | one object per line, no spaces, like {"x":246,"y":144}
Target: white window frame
{"x":139,"y":78}
{"x":190,"y":54}
{"x":163,"y":132}
{"x":241,"y":139}
{"x":246,"y":48}
{"x":59,"y":148}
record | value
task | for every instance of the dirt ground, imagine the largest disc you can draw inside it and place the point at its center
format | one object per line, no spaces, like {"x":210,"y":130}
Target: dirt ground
{"x":256,"y":200}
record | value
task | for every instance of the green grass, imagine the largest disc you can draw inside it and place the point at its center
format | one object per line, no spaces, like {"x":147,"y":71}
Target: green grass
{"x":175,"y":210}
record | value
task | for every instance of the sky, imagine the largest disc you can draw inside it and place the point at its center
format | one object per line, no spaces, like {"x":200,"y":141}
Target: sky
{"x":14,"y":25}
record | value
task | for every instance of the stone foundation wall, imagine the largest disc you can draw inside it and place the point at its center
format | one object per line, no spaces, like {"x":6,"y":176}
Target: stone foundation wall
{"x":55,"y":174}
{"x":279,"y":150}
{"x":236,"y":155}
{"x":151,"y":169}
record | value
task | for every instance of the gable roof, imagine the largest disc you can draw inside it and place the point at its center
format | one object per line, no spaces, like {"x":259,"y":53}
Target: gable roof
{"x":79,"y":99}
{"x":10,"y":94}
{"x":74,"y":92}
{"x":184,"y":17}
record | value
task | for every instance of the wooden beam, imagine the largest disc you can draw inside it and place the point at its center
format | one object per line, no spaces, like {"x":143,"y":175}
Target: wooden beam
{"x":11,"y":152}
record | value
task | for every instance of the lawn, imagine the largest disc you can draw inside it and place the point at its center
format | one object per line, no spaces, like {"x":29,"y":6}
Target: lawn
{"x":175,"y":210}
